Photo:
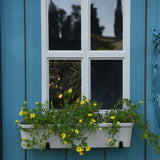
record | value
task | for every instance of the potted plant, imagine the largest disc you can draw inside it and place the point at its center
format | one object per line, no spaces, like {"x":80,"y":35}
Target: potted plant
{"x":80,"y":126}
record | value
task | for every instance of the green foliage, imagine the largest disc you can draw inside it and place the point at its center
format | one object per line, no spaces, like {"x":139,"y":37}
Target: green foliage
{"x":71,"y":122}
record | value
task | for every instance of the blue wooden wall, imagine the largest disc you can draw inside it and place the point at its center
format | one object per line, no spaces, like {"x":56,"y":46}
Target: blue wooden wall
{"x":13,"y":77}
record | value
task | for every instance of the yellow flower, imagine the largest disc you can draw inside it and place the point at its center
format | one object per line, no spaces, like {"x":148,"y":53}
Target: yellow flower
{"x":99,"y":129}
{"x":118,"y":123}
{"x":145,"y":136}
{"x":70,"y":90}
{"x":140,"y":101}
{"x":25,"y":113}
{"x":72,"y":130}
{"x":65,"y":142}
{"x":94,"y":104}
{"x":86,"y":100}
{"x":80,"y":121}
{"x":54,"y":116}
{"x":63,"y":135}
{"x":32,"y":115}
{"x":22,"y":144}
{"x":88,"y":148}
{"x":79,"y":149}
{"x":112,"y":117}
{"x":39,"y":143}
{"x":82,"y":102}
{"x":21,"y":113}
{"x":132,"y":104}
{"x":103,"y":122}
{"x":44,"y":104}
{"x":16,"y":121}
{"x":93,"y":120}
{"x":25,"y":102}
{"x":36,"y":103}
{"x":110,"y":140}
{"x":50,"y":131}
{"x":76,"y":131}
{"x":24,"y":138}
{"x":81,"y":153}
{"x":90,"y":114}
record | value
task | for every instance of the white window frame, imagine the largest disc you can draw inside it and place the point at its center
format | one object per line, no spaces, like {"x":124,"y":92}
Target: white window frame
{"x":85,"y":54}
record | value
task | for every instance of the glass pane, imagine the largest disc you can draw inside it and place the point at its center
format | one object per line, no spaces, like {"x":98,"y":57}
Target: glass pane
{"x":64,"y":24}
{"x":106,"y":25}
{"x":63,"y":74}
{"x":106,"y":81}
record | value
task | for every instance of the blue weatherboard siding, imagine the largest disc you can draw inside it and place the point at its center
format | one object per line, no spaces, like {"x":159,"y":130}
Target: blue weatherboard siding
{"x":12,"y":75}
{"x":33,"y":43}
{"x":13,"y":82}
{"x":153,"y":22}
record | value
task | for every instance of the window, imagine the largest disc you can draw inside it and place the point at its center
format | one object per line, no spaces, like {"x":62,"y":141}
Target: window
{"x":86,"y":46}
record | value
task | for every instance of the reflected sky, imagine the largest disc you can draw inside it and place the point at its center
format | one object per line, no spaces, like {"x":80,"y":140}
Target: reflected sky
{"x":63,"y":4}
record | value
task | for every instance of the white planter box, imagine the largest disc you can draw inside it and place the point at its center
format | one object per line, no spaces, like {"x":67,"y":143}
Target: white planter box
{"x":96,"y":140}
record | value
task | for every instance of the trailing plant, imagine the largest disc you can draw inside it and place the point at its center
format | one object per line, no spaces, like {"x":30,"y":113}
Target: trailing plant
{"x":76,"y":118}
{"x":156,"y":39}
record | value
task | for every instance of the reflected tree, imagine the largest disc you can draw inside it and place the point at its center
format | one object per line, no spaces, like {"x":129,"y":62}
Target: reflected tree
{"x":118,"y":25}
{"x":95,"y":26}
{"x":53,"y":23}
{"x":76,"y":19}
{"x":67,"y":29}
{"x":61,"y":19}
{"x":64,"y":29}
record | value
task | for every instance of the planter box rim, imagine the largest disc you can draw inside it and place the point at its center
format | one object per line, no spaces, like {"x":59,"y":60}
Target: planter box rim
{"x":127,"y":124}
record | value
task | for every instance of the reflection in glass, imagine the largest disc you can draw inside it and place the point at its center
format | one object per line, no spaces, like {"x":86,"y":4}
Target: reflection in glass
{"x":64,"y":24}
{"x":106,"y":25}
{"x":63,"y":74}
{"x":106,"y":81}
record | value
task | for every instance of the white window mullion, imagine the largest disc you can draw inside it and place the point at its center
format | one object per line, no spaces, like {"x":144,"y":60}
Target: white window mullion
{"x":126,"y":48}
{"x":47,"y":79}
{"x":85,"y":77}
{"x":89,"y":26}
{"x":126,"y":77}
{"x":44,"y":41}
{"x":85,"y":19}
{"x":64,"y":54}
{"x":85,"y":65}
{"x":126,"y":26}
{"x":109,"y":55}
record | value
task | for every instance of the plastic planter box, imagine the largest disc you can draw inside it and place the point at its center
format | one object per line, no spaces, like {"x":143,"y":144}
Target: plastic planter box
{"x":95,"y":140}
